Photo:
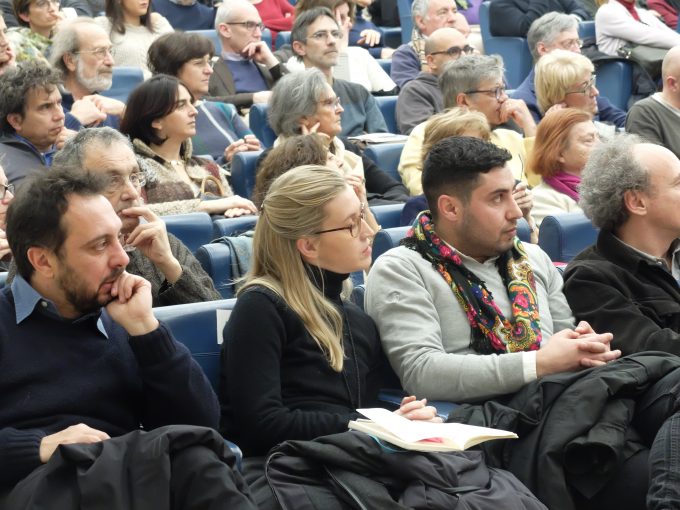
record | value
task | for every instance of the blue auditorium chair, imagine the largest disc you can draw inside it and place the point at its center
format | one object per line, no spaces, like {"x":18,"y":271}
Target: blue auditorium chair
{"x":231,"y":227}
{"x":282,"y":38}
{"x":514,"y":50}
{"x":387,"y":216}
{"x":404,"y":8}
{"x":3,"y":279}
{"x":386,"y":64}
{"x":390,"y":37}
{"x":243,"y":167}
{"x":386,"y":156}
{"x":193,"y":229}
{"x":615,"y":81}
{"x":386,"y":239}
{"x":586,"y":29}
{"x":125,"y":79}
{"x":259,"y":124}
{"x":564,"y":236}
{"x":215,"y":258}
{"x":388,"y":107}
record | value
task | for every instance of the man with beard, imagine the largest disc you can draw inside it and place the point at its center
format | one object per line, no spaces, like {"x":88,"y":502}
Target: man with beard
{"x":90,"y":383}
{"x":175,"y":275}
{"x":81,"y":50}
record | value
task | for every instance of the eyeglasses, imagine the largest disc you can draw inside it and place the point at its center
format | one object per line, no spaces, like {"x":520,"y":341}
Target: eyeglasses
{"x":333,"y":102}
{"x":354,"y":228}
{"x":455,"y":51}
{"x":498,"y":92}
{"x":571,"y":43}
{"x":4,"y":188}
{"x":100,"y":53}
{"x":326,"y":34}
{"x":249,"y":25}
{"x":586,"y":89}
{"x":117,"y":181}
{"x":44,"y":3}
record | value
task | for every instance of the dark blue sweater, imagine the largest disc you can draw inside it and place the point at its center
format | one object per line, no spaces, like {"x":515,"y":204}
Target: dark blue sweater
{"x":55,"y":373}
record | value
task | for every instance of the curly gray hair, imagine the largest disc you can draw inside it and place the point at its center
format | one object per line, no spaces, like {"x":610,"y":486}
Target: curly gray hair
{"x":72,"y":154}
{"x":611,"y":170}
{"x":296,"y":95}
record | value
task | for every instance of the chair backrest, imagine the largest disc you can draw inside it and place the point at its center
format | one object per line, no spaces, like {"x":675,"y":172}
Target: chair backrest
{"x":215,"y":259}
{"x":404,"y":8}
{"x":514,"y":50}
{"x":259,"y":124}
{"x":196,"y":326}
{"x":586,"y":29}
{"x":125,"y":79}
{"x":386,"y":64}
{"x":232,"y":227}
{"x":193,"y":229}
{"x":387,"y":239}
{"x":388,"y":108}
{"x":391,"y":37}
{"x":282,"y":38}
{"x":564,"y":236}
{"x":386,"y":156}
{"x":388,"y":216}
{"x":615,"y":81}
{"x":243,"y":170}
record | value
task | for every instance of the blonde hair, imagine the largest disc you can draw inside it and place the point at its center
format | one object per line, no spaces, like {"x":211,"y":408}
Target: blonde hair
{"x":556,"y":72}
{"x":293,"y":208}
{"x":454,"y":122}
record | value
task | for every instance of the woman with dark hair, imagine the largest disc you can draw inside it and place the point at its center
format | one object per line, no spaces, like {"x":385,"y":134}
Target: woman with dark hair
{"x":132,"y":28}
{"x":220,"y":132}
{"x":160,"y":119}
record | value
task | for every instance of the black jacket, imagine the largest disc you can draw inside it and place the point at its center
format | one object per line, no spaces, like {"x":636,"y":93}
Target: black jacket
{"x":512,"y":18}
{"x":616,"y":289}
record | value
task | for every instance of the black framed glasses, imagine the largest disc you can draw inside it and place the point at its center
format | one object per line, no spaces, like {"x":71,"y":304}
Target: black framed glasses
{"x":354,"y":228}
{"x":586,"y":89}
{"x":117,"y":181}
{"x":4,"y":188}
{"x":250,"y":25}
{"x":455,"y":51}
{"x":497,"y":92}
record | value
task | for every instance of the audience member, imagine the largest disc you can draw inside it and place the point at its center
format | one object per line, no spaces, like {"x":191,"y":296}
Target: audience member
{"x":220,"y":132}
{"x":628,"y":280}
{"x":476,"y":82}
{"x":132,"y":28}
{"x":564,"y":140}
{"x":277,"y":15}
{"x":176,"y":277}
{"x":428,"y":15}
{"x":657,"y":118}
{"x":186,"y":14}
{"x":365,"y":32}
{"x":303,"y":102}
{"x":7,"y":57}
{"x":559,"y":31}
{"x":6,"y":196}
{"x":315,"y":39}
{"x":248,"y":69}
{"x":37,"y":20}
{"x":90,"y":376}
{"x":668,"y":9}
{"x":512,"y":18}
{"x":81,"y":51}
{"x":160,"y":119}
{"x":421,"y":98}
{"x":31,"y":119}
{"x":467,"y":312}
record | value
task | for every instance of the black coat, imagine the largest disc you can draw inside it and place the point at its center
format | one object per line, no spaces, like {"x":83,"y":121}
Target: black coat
{"x":512,"y":18}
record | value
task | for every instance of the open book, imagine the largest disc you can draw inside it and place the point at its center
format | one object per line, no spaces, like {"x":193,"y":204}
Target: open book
{"x":424,"y":436}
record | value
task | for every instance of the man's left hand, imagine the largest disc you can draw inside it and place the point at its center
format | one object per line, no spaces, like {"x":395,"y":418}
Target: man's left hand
{"x":131,"y":306}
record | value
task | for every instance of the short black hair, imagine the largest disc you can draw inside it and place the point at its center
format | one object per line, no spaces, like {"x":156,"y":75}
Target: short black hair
{"x":453,"y":166}
{"x":34,"y":215}
{"x":170,"y":52}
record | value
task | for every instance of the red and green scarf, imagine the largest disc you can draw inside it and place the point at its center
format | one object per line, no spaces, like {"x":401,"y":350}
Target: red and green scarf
{"x":491,"y":331}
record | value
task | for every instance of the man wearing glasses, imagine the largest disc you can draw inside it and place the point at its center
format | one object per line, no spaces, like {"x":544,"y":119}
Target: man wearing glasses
{"x":559,"y":31}
{"x":421,"y":98}
{"x":81,"y":50}
{"x":247,"y":69}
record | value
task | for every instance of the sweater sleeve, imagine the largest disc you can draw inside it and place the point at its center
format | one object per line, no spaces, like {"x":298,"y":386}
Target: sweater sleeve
{"x":175,"y":206}
{"x":643,"y":122}
{"x":413,"y":107}
{"x":405,"y":65}
{"x":254,"y":341}
{"x":613,"y":21}
{"x":19,"y":449}
{"x":607,"y":112}
{"x":512,"y":18}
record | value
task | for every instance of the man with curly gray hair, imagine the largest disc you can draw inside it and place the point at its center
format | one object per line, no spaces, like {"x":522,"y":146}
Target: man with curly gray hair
{"x":627,"y":283}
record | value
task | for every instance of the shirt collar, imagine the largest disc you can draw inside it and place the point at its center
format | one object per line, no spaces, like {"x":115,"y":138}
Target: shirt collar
{"x":675,"y":257}
{"x":234,"y":57}
{"x":26,"y":299}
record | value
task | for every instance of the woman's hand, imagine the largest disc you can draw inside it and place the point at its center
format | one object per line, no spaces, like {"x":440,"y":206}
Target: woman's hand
{"x":524,"y":199}
{"x":413,"y":409}
{"x":369,"y":37}
{"x":245,"y":144}
{"x":231,"y":207}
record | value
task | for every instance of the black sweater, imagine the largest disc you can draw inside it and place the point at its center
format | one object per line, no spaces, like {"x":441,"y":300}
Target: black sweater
{"x":276,"y":384}
{"x":512,"y":18}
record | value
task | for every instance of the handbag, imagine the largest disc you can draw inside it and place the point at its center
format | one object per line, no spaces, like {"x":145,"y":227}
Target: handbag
{"x":215,"y":183}
{"x":647,"y":57}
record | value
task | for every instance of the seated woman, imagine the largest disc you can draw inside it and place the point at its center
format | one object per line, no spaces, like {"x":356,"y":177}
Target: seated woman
{"x":304,"y":102}
{"x":563,"y":143}
{"x":220,"y":132}
{"x":38,"y":19}
{"x":132,"y":28}
{"x":160,"y":119}
{"x":298,"y":359}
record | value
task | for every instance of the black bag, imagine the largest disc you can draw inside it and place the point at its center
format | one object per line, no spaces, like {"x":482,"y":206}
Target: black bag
{"x":647,"y":57}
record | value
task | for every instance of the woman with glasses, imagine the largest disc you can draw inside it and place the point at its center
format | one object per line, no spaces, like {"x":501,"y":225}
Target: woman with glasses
{"x":220,"y":132}
{"x":37,"y":20}
{"x":564,"y":140}
{"x":298,"y":359}
{"x":132,"y":28}
{"x":160,"y":119}
{"x":303,"y":102}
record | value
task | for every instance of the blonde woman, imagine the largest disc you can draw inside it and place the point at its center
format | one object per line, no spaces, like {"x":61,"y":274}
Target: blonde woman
{"x":298,"y":359}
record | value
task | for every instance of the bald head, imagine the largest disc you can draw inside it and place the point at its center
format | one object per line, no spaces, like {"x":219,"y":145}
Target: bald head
{"x":444,"y":38}
{"x":652,"y":157}
{"x":671,"y":63}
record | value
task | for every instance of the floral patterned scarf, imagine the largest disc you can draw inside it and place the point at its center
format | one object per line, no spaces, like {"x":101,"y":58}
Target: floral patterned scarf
{"x":491,"y":331}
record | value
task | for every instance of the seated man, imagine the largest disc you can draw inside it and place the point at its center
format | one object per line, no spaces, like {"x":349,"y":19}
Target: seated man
{"x":314,"y":39}
{"x":467,"y":312}
{"x":553,"y":31}
{"x":81,"y":50}
{"x":248,"y":69}
{"x":657,"y":118}
{"x":84,"y":360}
{"x":629,"y":279}
{"x":512,"y":18}
{"x":476,"y":82}
{"x":421,"y":98}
